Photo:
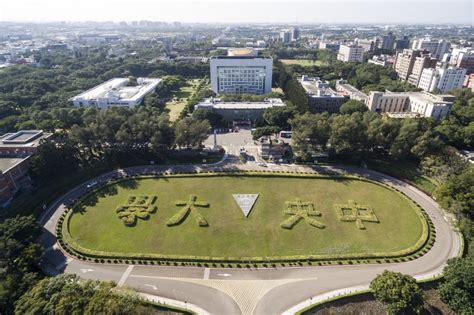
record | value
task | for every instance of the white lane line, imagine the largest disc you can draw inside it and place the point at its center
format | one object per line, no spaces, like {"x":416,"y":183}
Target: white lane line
{"x":224,"y":275}
{"x":207,"y":271}
{"x":125,"y":275}
{"x":154,"y":287}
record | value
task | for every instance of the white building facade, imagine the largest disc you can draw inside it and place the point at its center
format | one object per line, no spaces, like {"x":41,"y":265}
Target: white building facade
{"x":350,"y":53}
{"x":116,"y":92}
{"x":241,"y":74}
{"x":421,"y":104}
{"x":442,"y":78}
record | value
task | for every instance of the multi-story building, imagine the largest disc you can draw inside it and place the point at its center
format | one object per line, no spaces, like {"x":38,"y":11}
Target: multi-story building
{"x":404,"y":63}
{"x":382,"y":60}
{"x":117,"y":92}
{"x":15,"y":152}
{"x":285,"y":36}
{"x":443,"y":78}
{"x":239,"y":111}
{"x":469,"y":81}
{"x":410,"y":63}
{"x":421,"y":103}
{"x":321,"y":97}
{"x":344,"y":88}
{"x":295,"y":34}
{"x":437,"y":48}
{"x":463,"y":58}
{"x":383,"y":102}
{"x":388,"y":41}
{"x":369,"y":45}
{"x":350,"y":53}
{"x":331,"y":46}
{"x":402,"y":43}
{"x":422,"y":62}
{"x":242,"y":71}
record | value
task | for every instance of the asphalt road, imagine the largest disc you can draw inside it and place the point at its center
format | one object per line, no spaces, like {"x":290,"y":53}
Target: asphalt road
{"x":248,"y":291}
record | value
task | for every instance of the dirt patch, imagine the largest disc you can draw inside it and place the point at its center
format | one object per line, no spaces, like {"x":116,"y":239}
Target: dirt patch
{"x":366,"y":304}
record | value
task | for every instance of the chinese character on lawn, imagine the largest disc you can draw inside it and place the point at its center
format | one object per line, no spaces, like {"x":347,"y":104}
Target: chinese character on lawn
{"x":137,"y":207}
{"x":301,"y":210}
{"x":189,"y":206}
{"x":353,"y":212}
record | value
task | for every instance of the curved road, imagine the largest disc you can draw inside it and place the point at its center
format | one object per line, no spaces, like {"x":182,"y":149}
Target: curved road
{"x":248,"y":291}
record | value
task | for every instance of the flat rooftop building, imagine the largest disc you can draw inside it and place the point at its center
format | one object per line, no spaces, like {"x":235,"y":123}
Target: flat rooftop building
{"x":117,"y":92}
{"x":423,"y":103}
{"x":321,"y":97}
{"x":352,"y":92}
{"x":15,"y":151}
{"x":239,"y":111}
{"x":241,"y":71}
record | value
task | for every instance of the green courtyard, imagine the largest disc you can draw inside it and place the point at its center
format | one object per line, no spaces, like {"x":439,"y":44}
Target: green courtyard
{"x":199,"y":216}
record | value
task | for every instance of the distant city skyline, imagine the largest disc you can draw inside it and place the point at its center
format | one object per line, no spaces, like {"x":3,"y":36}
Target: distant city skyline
{"x":243,"y":11}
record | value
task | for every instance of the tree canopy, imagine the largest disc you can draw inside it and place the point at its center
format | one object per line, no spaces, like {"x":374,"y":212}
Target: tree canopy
{"x":68,"y":293}
{"x":397,"y":292}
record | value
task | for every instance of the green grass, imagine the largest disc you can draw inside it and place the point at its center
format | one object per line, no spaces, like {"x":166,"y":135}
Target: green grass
{"x":95,"y":225}
{"x":177,"y":104}
{"x":405,"y":170}
{"x":302,"y":62}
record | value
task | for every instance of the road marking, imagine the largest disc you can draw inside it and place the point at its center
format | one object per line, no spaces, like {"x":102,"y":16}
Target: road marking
{"x":224,"y":274}
{"x":207,"y":271}
{"x":154,"y":287}
{"x":125,"y":275}
{"x":87,"y":270}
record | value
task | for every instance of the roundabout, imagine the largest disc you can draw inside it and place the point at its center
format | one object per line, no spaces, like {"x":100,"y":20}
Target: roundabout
{"x":352,"y":216}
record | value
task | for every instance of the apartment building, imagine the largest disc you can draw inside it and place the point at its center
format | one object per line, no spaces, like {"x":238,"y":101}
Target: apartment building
{"x":463,"y":58}
{"x":422,"y":62}
{"x":443,"y":78}
{"x":404,"y":63}
{"x":437,"y":48}
{"x":350,"y":53}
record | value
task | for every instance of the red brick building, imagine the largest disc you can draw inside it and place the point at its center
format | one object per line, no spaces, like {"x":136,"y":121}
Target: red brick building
{"x":15,"y":152}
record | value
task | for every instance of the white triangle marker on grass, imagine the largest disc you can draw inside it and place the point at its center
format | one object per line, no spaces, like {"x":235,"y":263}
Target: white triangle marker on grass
{"x":245,"y":202}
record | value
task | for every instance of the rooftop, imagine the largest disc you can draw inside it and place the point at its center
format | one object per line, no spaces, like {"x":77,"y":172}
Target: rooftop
{"x":23,"y":138}
{"x":118,"y":88}
{"x":217,"y":104}
{"x":315,"y":87}
{"x":241,"y":52}
{"x":7,"y":163}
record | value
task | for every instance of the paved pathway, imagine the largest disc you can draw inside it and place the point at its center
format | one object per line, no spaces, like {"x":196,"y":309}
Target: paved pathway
{"x":248,"y":291}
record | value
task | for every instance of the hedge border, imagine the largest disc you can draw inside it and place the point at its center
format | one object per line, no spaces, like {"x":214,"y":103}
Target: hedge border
{"x":70,"y":246}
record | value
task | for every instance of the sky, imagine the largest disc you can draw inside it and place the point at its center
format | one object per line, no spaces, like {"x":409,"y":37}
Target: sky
{"x":243,"y":11}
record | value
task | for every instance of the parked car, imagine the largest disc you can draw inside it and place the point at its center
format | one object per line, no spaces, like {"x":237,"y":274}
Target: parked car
{"x":92,"y":184}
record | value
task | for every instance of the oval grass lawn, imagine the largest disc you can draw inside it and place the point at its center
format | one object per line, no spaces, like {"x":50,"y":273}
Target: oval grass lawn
{"x":95,"y":224}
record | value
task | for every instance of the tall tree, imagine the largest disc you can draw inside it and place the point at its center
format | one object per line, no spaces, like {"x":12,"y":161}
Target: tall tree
{"x":310,"y":133}
{"x":397,"y":292}
{"x":457,"y":287}
{"x":349,"y":135}
{"x":191,"y":132}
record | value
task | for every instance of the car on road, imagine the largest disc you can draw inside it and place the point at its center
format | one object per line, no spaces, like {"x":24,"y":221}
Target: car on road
{"x":262,"y":164}
{"x":92,"y":184}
